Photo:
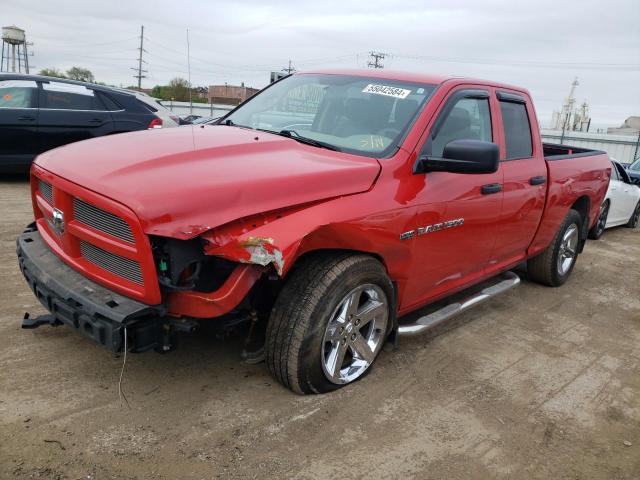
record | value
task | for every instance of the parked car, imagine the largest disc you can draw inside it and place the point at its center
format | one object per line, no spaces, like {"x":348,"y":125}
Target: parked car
{"x":634,"y":171}
{"x":402,"y":189}
{"x":621,"y":205}
{"x":40,"y":113}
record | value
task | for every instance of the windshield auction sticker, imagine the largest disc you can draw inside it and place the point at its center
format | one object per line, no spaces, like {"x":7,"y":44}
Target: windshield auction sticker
{"x":386,"y":90}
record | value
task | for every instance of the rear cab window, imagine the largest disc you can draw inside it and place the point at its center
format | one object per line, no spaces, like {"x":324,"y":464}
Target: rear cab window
{"x":18,"y":94}
{"x":517,"y":129}
{"x":66,"y":96}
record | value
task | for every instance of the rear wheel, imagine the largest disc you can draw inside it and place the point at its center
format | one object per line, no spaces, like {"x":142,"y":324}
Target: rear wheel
{"x":554,"y":265}
{"x":598,"y":229}
{"x":635,"y":217}
{"x":329,"y":323}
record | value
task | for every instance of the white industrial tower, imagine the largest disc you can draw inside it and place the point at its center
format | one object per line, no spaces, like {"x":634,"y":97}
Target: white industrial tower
{"x":14,"y":50}
{"x":571,"y":117}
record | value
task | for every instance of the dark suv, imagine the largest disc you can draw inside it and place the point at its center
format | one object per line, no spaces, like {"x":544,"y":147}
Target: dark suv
{"x":40,"y":113}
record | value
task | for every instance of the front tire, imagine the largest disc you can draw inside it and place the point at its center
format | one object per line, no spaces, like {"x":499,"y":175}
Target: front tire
{"x":329,"y":322}
{"x":554,"y":265}
{"x":635,"y":217}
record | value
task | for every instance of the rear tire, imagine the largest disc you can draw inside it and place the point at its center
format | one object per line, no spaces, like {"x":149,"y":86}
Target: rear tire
{"x":635,"y":217}
{"x":554,"y":265}
{"x":329,"y":322}
{"x":598,"y":229}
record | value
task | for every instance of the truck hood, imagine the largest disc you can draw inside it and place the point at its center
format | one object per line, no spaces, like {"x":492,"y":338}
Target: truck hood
{"x":183,"y":181}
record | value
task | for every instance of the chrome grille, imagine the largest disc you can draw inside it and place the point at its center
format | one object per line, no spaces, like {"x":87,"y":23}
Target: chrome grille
{"x":123,"y":267}
{"x":46,"y":191}
{"x":100,"y":220}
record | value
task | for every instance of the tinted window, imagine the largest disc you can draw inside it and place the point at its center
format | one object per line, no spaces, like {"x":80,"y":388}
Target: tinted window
{"x":64,"y":96}
{"x":109,"y":102}
{"x":470,"y":118}
{"x":517,"y":133}
{"x":622,"y":174}
{"x":18,"y":94}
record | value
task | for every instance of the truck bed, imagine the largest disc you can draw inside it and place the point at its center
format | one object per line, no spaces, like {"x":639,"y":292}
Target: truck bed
{"x":556,"y":151}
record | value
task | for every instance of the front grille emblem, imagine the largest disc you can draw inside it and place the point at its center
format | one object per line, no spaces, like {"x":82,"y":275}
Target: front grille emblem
{"x":58,"y":221}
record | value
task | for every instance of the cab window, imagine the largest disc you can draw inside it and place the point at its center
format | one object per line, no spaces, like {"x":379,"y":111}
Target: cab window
{"x":517,"y":132}
{"x":18,"y":94}
{"x":469,"y":119}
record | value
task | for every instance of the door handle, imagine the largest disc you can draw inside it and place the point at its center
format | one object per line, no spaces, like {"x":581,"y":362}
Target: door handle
{"x":95,"y":120}
{"x":539,"y":180}
{"x":491,"y":188}
{"x":26,"y":118}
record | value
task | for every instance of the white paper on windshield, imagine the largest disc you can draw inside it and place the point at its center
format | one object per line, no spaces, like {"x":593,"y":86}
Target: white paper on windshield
{"x":386,"y":90}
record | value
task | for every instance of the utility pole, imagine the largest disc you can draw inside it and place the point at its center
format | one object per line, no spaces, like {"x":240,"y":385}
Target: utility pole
{"x":289,"y":69}
{"x":376,"y":59}
{"x":140,"y":71}
{"x":189,"y":72}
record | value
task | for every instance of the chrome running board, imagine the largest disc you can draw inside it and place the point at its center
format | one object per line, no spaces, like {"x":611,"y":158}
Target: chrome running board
{"x":505,"y":282}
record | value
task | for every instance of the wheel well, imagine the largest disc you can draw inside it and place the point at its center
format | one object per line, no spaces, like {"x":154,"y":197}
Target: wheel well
{"x":582,"y":205}
{"x":268,"y":287}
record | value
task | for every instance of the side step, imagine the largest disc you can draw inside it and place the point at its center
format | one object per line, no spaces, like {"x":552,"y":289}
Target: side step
{"x":504,"y":282}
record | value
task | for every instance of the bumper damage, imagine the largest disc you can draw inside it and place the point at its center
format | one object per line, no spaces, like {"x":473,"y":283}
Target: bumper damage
{"x":73,"y":300}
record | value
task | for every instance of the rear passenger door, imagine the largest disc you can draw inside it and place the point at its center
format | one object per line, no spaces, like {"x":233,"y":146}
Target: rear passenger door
{"x":18,"y":123}
{"x":525,"y":177}
{"x":70,"y":113}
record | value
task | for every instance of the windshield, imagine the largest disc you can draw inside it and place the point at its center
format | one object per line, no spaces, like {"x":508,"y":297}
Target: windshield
{"x":635,"y":166}
{"x":367,"y":116}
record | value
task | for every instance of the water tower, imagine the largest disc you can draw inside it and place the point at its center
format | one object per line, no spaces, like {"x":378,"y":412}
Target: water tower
{"x":14,"y":50}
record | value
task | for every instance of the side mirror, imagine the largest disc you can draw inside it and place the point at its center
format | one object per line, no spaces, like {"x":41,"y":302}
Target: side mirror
{"x":463,"y":156}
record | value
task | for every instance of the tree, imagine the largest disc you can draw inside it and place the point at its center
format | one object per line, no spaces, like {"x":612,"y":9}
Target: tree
{"x":178,"y":89}
{"x":81,"y":74}
{"x":51,"y":72}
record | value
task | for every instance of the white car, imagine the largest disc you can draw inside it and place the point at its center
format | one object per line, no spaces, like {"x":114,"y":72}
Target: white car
{"x":621,"y":206}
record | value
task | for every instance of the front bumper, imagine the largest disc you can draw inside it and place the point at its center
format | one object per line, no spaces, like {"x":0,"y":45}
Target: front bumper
{"x":98,"y":313}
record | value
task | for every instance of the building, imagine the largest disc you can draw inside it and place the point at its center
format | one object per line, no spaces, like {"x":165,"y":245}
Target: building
{"x":230,"y":94}
{"x":631,"y":126}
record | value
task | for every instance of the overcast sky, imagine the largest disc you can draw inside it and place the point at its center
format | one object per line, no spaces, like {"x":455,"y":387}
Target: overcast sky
{"x":540,"y":45}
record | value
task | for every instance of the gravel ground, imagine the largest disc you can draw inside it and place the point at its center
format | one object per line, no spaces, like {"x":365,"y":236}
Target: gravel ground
{"x":539,"y":383}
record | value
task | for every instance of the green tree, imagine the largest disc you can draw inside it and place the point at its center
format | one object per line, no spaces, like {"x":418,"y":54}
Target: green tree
{"x":178,"y":89}
{"x":81,"y":74}
{"x":51,"y":72}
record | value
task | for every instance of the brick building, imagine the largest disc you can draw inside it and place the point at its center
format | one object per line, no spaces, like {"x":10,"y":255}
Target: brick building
{"x":230,"y":94}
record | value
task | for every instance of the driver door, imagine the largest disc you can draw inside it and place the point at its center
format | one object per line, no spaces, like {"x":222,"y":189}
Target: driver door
{"x":457,"y":215}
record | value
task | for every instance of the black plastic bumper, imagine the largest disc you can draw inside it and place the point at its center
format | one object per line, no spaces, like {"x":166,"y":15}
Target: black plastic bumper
{"x":97,"y":312}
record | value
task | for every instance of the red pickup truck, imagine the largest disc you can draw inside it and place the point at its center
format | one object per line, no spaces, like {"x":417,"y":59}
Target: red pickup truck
{"x":319,"y":212}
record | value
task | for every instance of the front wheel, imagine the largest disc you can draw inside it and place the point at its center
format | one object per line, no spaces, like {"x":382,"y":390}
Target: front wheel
{"x":554,"y":265}
{"x":329,"y":322}
{"x":635,"y":217}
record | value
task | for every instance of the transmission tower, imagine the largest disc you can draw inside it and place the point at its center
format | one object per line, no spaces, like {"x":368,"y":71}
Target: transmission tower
{"x":139,"y":69}
{"x":289,"y":69}
{"x":376,"y":59}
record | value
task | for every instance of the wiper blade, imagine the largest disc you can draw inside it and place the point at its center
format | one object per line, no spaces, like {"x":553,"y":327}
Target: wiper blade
{"x":306,"y":140}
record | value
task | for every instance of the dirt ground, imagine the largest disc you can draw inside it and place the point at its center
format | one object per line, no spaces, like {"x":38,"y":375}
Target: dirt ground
{"x":539,"y":383}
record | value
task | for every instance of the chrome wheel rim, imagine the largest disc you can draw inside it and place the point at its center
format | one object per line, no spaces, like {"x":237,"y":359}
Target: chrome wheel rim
{"x":355,"y":334}
{"x":568,"y":249}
